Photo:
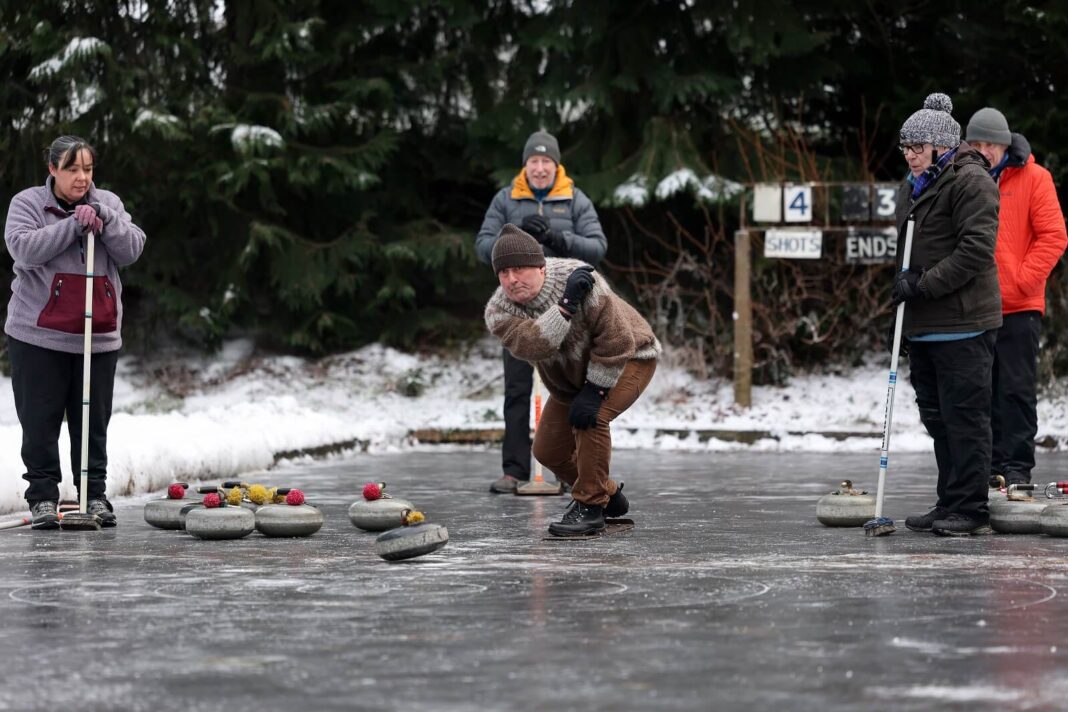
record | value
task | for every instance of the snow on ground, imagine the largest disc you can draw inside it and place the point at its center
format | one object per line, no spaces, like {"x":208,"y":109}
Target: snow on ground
{"x":213,"y":417}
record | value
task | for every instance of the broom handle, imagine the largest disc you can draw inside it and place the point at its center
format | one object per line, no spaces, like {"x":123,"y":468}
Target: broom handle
{"x":884,"y":454}
{"x":83,"y":494}
{"x":537,"y":420}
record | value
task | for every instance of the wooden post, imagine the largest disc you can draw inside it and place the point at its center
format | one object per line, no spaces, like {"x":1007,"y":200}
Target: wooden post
{"x":743,"y":322}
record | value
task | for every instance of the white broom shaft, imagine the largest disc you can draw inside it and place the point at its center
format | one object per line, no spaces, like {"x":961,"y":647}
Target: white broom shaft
{"x":537,"y":420}
{"x":884,"y":454}
{"x":83,"y":495}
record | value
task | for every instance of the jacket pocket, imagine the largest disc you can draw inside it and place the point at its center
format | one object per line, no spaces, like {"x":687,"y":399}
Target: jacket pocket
{"x":65,"y":310}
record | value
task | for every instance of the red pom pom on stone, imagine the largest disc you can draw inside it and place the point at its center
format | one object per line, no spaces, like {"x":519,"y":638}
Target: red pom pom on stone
{"x":175,"y":491}
{"x":295,"y":497}
{"x":372,"y":491}
{"x":212,"y":500}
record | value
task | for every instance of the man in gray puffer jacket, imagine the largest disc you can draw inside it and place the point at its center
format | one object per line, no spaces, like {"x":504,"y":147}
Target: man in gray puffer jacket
{"x":544,"y":201}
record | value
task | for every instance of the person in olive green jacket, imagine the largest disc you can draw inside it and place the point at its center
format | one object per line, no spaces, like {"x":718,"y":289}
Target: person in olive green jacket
{"x":953,"y":309}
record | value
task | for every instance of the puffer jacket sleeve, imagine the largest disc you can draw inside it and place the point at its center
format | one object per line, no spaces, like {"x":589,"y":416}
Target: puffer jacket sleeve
{"x":1047,"y":223}
{"x":586,"y":241}
{"x":32,"y":243}
{"x":123,"y":240}
{"x":496,"y":217}
{"x":975,"y":218}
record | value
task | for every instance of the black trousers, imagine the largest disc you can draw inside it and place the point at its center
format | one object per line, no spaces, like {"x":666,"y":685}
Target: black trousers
{"x":518,"y":383}
{"x":953,"y":391}
{"x":48,"y":386}
{"x":1014,"y":416}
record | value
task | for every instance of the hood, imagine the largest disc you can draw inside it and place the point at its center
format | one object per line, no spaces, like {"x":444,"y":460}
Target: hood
{"x":1019,"y":151}
{"x":966,"y":154}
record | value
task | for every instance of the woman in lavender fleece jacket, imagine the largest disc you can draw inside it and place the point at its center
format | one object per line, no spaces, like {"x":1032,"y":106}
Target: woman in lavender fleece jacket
{"x":46,"y":236}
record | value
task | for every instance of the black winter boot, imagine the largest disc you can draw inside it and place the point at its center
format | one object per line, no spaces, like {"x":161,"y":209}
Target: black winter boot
{"x":617,"y":504}
{"x":102,"y":510}
{"x":924,"y":522}
{"x":43,"y":515}
{"x":579,"y":520}
{"x":956,"y":524}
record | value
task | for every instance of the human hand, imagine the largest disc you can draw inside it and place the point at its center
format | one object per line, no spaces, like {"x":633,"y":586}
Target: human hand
{"x":584,"y":408}
{"x":87,"y":218}
{"x":535,"y":225}
{"x":579,"y":284}
{"x":907,"y":286}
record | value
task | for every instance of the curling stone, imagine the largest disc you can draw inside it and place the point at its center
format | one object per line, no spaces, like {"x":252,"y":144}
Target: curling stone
{"x":1054,"y":520}
{"x":377,"y":511}
{"x":216,"y":521}
{"x":294,"y":518}
{"x":1017,"y":512}
{"x":845,"y":507}
{"x":163,"y":513}
{"x":410,"y":541}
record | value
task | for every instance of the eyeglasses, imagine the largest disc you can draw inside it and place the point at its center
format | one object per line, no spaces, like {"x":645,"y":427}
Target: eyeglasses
{"x":916,"y":149}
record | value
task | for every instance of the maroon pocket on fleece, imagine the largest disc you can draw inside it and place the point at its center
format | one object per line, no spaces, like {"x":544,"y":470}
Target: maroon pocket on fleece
{"x":65,"y":310}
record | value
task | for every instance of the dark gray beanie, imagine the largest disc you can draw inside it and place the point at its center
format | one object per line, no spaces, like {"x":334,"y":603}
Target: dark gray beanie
{"x":542,"y":143}
{"x":989,"y":125}
{"x":515,"y":248}
{"x":932,"y":124}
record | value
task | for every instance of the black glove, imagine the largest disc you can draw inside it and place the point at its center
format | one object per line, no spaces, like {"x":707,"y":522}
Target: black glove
{"x":539,"y":228}
{"x":535,"y":225}
{"x":907,"y":287}
{"x":584,"y":408}
{"x":579,"y":284}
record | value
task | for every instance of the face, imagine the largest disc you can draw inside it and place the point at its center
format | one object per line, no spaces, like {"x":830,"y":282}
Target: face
{"x":993,"y":152}
{"x":521,"y":284}
{"x":72,"y":182}
{"x":918,"y":156}
{"x":541,"y":170}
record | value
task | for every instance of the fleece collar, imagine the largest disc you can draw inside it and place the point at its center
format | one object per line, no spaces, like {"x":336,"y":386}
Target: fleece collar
{"x":562,"y":187}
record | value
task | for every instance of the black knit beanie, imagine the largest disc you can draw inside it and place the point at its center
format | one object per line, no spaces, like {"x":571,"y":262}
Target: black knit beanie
{"x":515,"y":248}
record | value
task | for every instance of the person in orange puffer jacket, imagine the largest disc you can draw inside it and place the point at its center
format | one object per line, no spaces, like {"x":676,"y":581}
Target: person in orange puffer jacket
{"x":1031,"y":239}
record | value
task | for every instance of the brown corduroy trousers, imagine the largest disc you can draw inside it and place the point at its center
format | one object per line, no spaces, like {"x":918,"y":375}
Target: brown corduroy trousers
{"x":582,"y":458}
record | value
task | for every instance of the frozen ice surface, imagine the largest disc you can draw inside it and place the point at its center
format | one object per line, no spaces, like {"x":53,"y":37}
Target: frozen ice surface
{"x":727,"y":595}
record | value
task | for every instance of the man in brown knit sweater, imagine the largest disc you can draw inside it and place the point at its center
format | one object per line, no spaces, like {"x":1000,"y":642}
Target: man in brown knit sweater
{"x":594,"y":353}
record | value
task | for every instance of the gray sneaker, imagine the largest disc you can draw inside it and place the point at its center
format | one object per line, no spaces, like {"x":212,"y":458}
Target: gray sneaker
{"x":44,"y":515}
{"x":101,"y":509}
{"x":505,"y":485}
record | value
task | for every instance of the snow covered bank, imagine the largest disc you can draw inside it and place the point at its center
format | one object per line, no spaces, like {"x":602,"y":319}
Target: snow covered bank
{"x":213,"y":418}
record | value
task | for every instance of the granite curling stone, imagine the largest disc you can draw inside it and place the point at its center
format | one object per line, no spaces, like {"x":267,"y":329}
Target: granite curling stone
{"x":163,"y":513}
{"x":415,"y":538}
{"x":1017,"y":512}
{"x":1054,"y":520}
{"x":377,"y":511}
{"x":215,"y":520}
{"x":845,"y":507}
{"x":291,"y":519}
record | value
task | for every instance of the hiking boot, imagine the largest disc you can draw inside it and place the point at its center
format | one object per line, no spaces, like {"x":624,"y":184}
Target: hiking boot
{"x":956,"y":524}
{"x":102,"y":510}
{"x":506,"y":484}
{"x":44,"y":515}
{"x":579,"y":520}
{"x":924,"y":522}
{"x":617,"y":504}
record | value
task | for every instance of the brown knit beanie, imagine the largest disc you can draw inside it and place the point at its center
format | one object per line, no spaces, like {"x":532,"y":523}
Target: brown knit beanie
{"x":515,"y":248}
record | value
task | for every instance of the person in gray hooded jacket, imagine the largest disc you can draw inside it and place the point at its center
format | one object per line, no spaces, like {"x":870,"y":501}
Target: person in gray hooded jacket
{"x":46,"y":233}
{"x":547,"y":205}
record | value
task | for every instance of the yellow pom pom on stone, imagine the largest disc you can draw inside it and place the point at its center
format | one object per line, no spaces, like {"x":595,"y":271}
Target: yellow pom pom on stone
{"x":258,"y":494}
{"x":234,"y":496}
{"x":414,"y":517}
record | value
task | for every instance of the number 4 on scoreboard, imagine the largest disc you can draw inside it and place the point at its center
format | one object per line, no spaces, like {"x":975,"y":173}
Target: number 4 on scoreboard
{"x":797,"y":203}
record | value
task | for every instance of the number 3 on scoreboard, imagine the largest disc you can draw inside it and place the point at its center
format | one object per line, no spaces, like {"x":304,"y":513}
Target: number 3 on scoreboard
{"x":797,"y":203}
{"x":886,"y":201}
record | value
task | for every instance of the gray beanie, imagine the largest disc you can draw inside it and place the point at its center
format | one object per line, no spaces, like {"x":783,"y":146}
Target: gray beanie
{"x":542,"y":143}
{"x":932,"y":124}
{"x":515,"y":248}
{"x":990,"y":126}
